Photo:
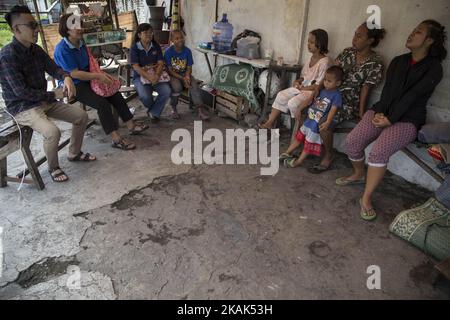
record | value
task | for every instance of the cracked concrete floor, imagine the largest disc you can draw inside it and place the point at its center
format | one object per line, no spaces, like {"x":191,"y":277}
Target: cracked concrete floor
{"x":136,"y":226}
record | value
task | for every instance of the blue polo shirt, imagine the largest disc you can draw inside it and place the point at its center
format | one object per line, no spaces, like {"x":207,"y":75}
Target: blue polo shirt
{"x":142,"y":57}
{"x":70,"y":58}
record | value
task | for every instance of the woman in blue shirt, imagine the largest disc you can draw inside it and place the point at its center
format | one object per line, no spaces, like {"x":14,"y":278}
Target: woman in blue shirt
{"x":146,"y":54}
{"x":72,"y":56}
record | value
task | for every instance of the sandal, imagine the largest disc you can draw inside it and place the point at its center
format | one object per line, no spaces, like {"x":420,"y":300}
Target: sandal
{"x":139,"y":129}
{"x":57,"y":173}
{"x":367,"y":214}
{"x":204,"y":117}
{"x":343,"y":182}
{"x":83,"y":157}
{"x":123,"y":145}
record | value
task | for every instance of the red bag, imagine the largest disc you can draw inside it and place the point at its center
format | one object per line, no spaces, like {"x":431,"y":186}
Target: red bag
{"x":100,"y":88}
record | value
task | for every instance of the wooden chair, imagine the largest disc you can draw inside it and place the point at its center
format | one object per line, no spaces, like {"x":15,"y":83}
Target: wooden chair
{"x":9,"y":143}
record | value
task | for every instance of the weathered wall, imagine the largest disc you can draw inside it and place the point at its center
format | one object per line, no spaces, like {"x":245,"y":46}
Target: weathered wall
{"x":399,"y":18}
{"x":278,"y":22}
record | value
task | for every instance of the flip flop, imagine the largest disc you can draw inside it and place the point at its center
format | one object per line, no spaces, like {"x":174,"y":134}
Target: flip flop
{"x":289,"y":163}
{"x":286,"y":156}
{"x":318,"y":169}
{"x":136,"y":131}
{"x":123,"y":145}
{"x":343,"y":182}
{"x":368,"y":215}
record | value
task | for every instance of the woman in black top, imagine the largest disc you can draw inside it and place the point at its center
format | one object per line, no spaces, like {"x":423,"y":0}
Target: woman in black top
{"x":394,"y":121}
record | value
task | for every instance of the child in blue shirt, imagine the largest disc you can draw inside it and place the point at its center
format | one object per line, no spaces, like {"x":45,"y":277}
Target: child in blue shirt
{"x":179,"y":62}
{"x":321,"y":114}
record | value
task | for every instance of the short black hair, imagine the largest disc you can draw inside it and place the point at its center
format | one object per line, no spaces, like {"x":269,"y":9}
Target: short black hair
{"x":14,"y":13}
{"x":321,"y":40}
{"x":337,"y":72}
{"x":377,"y":34}
{"x":142,"y":28}
{"x":63,"y":28}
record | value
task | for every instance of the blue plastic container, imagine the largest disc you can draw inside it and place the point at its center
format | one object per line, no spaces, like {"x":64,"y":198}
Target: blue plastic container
{"x":222,"y":35}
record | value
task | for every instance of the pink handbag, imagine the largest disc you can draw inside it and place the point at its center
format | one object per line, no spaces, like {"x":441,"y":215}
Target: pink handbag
{"x":100,"y":88}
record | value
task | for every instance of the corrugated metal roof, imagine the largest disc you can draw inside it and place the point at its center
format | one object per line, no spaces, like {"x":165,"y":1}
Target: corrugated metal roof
{"x":6,"y":5}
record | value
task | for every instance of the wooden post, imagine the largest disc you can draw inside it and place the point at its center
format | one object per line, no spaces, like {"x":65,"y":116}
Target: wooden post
{"x":41,"y":30}
{"x":114,"y":10}
{"x":3,"y":173}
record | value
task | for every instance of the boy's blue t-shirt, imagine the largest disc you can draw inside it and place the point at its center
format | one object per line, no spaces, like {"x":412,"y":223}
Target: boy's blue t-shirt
{"x":321,"y":107}
{"x":179,"y":61}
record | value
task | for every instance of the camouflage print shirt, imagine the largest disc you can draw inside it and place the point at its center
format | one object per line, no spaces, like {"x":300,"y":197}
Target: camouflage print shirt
{"x":370,"y":72}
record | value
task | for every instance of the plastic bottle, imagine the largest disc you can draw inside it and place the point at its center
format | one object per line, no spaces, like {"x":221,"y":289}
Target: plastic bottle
{"x":222,"y":35}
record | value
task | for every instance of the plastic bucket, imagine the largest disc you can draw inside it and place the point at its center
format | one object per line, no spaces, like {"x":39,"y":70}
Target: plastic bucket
{"x":157,"y":24}
{"x":157,"y":13}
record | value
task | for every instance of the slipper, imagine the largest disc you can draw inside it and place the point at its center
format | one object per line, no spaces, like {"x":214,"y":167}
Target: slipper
{"x":343,"y":182}
{"x":367,"y":214}
{"x":83,"y":157}
{"x":318,"y":169}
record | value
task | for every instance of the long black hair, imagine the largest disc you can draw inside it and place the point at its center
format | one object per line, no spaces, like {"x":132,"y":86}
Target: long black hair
{"x":437,"y":32}
{"x":142,"y":28}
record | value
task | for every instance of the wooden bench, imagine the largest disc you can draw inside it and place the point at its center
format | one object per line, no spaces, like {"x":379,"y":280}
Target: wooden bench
{"x":9,"y":143}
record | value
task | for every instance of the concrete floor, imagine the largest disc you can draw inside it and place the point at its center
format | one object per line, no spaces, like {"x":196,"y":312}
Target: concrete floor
{"x":138,"y":227}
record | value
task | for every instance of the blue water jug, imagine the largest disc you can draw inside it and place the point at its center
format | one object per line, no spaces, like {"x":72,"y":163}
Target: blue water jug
{"x":222,"y":35}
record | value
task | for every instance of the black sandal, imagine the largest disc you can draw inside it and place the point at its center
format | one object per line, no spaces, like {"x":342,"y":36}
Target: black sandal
{"x":139,"y":129}
{"x":59,"y":174}
{"x":123,"y":145}
{"x":80,"y":158}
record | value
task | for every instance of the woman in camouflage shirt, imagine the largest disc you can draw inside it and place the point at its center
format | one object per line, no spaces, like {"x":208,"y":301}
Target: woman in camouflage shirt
{"x":363,"y":69}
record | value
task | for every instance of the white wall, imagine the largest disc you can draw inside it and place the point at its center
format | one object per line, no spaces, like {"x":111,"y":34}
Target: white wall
{"x":398,"y":17}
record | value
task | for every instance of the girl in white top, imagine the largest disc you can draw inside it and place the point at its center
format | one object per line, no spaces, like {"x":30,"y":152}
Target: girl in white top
{"x":294,"y":100}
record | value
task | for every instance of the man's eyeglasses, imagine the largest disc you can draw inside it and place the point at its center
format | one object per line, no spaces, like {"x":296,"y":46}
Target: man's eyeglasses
{"x":33,"y":25}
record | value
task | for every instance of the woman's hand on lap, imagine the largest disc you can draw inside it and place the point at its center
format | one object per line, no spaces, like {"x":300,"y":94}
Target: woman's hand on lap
{"x":104,"y":78}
